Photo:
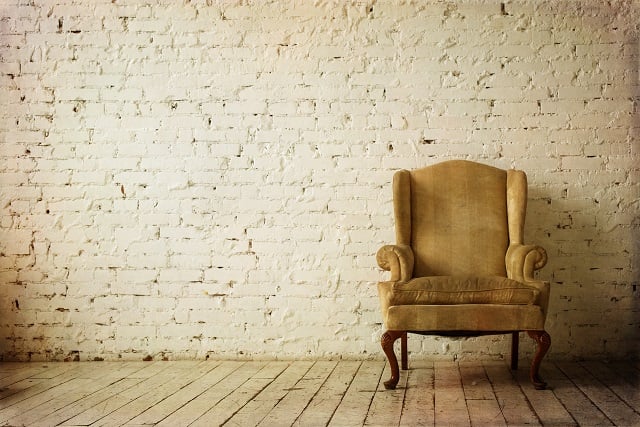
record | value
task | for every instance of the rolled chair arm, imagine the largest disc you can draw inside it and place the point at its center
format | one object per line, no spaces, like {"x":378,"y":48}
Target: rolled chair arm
{"x":398,"y":259}
{"x":523,"y":260}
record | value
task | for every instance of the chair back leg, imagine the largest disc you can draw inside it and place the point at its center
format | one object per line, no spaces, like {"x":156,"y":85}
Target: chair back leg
{"x":404,"y":355}
{"x":515,"y":344}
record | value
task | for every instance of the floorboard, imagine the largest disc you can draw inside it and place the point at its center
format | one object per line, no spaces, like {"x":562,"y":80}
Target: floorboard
{"x":450,"y":404}
{"x":315,"y":393}
{"x":615,"y":409}
{"x":291,"y":406}
{"x":324,"y":403}
{"x":259,"y":407}
{"x":213,"y":406}
{"x":419,"y":398}
{"x":354,"y":406}
{"x":620,"y":378}
{"x":511,"y":400}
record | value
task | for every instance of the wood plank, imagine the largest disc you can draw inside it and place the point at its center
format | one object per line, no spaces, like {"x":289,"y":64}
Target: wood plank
{"x":485,"y":412}
{"x":39,"y":406}
{"x":450,"y":403}
{"x":481,"y":401}
{"x":546,"y":405}
{"x":606,"y":400}
{"x":324,"y":403}
{"x":68,"y":412}
{"x":119,"y":377}
{"x":9,"y":367}
{"x":19,"y":372}
{"x":583,"y":410}
{"x":257,"y":408}
{"x":54,"y":409}
{"x":180,"y":375}
{"x":16,"y":393}
{"x":386,"y":406}
{"x":354,"y":406}
{"x":511,"y":400}
{"x":248,"y":384}
{"x":172,"y":403}
{"x":164,"y":372}
{"x":620,"y":378}
{"x":54,"y":369}
{"x":419,"y":403}
{"x":475,"y":382}
{"x":237,"y":374}
{"x":19,"y":387}
{"x":47,"y":389}
{"x":291,"y":406}
{"x":37,"y":372}
{"x":149,"y":369}
{"x":86,"y":382}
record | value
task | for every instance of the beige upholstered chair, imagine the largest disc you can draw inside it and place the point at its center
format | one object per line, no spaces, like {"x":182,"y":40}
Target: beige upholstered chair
{"x":459,"y":266}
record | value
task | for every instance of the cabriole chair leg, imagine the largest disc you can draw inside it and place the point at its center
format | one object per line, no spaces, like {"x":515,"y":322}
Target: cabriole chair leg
{"x":543,"y":340}
{"x":387,"y":341}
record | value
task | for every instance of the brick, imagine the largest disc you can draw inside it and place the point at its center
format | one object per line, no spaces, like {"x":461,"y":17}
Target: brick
{"x":515,"y":108}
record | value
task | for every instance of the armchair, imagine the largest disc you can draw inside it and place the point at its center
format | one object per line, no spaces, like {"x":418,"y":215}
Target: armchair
{"x":459,"y":266}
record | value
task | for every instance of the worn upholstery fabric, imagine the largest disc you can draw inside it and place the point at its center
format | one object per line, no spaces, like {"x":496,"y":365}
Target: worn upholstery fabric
{"x":459,"y":290}
{"x":466,"y":317}
{"x":447,"y":204}
{"x":459,"y":262}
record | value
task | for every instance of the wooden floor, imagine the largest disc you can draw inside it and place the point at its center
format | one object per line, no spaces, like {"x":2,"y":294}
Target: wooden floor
{"x":306,"y":393}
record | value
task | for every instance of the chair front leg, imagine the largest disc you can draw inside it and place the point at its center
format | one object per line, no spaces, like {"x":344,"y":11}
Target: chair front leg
{"x":543,"y":340}
{"x":387,"y":341}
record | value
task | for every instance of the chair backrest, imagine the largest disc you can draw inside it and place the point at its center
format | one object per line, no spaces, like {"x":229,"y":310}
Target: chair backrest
{"x":454,"y":215}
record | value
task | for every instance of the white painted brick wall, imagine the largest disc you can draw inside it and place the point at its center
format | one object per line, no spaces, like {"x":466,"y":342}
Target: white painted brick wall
{"x":212,"y":178}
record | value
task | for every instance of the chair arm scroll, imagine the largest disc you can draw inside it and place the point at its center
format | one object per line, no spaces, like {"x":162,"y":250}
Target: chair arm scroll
{"x":523,"y":260}
{"x":398,"y":259}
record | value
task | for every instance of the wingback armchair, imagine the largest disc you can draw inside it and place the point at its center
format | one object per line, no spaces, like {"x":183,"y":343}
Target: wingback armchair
{"x":459,"y":266}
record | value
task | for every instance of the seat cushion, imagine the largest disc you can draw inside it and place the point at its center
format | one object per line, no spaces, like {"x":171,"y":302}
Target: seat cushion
{"x":466,"y":317}
{"x":448,"y":290}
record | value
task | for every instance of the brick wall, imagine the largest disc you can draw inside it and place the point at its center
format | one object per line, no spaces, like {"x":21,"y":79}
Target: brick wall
{"x":191,"y":180}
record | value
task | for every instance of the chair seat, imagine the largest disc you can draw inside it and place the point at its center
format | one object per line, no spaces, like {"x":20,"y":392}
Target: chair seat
{"x":465,"y":317}
{"x":450,"y":290}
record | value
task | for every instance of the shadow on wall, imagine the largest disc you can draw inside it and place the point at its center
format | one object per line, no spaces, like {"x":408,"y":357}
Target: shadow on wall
{"x":594,"y":315}
{"x":634,"y":343}
{"x":608,"y":277}
{"x":632,"y":290}
{"x":591,"y":231}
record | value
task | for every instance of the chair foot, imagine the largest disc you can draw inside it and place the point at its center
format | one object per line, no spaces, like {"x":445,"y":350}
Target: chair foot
{"x":387,"y":341}
{"x":543,"y":340}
